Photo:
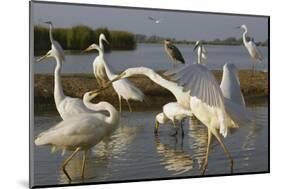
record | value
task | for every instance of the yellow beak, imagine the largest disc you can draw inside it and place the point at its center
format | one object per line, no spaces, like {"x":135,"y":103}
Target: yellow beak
{"x":156,"y":127}
{"x":107,"y":85}
{"x":88,"y":49}
{"x":42,"y":57}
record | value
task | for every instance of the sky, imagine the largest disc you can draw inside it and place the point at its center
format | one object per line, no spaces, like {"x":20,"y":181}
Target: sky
{"x":178,"y":25}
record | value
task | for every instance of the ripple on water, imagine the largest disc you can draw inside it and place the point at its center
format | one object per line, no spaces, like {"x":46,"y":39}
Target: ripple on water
{"x":134,"y":152}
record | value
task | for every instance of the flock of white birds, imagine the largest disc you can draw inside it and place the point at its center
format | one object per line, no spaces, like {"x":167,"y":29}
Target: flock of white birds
{"x":220,"y":107}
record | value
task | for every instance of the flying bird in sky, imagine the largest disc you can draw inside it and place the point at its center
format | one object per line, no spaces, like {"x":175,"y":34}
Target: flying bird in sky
{"x":155,"y":20}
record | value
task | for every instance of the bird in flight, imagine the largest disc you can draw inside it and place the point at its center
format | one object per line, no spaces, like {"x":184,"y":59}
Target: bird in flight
{"x":155,"y":20}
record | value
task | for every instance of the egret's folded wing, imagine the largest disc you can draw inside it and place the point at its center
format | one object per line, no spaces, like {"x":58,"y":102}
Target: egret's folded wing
{"x":204,"y":50}
{"x":200,"y":82}
{"x":257,"y":53}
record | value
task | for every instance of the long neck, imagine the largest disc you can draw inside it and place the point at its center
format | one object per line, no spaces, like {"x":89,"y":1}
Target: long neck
{"x":244,"y":36}
{"x":109,"y":73}
{"x":50,"y":33}
{"x":199,"y":54}
{"x":230,"y":87}
{"x":113,"y":117}
{"x":101,"y":44}
{"x":156,"y":78}
{"x":58,"y":90}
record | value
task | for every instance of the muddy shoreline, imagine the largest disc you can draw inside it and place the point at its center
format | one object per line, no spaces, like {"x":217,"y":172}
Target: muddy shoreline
{"x":75,"y":85}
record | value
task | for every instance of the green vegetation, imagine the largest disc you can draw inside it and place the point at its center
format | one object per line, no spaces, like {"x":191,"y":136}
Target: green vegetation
{"x":80,"y":37}
{"x":140,"y":38}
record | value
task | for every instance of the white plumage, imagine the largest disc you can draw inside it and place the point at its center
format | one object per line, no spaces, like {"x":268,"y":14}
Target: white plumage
{"x":251,"y":48}
{"x":208,"y":104}
{"x":66,"y":106}
{"x":82,"y":131}
{"x":123,"y":87}
{"x":174,"y":112}
{"x":201,"y":52}
{"x":98,"y":66}
{"x":181,"y":96}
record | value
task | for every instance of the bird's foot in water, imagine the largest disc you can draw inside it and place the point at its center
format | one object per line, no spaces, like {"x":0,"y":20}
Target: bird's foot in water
{"x":175,"y":132}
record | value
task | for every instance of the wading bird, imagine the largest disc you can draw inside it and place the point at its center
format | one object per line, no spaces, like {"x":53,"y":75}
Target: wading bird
{"x":251,"y":47}
{"x":173,"y":52}
{"x":66,"y":106}
{"x":217,"y":112}
{"x":181,"y":96}
{"x":98,"y":66}
{"x":174,"y":112}
{"x":201,"y":52}
{"x":197,"y":90}
{"x":156,"y":21}
{"x":81,"y":132}
{"x":123,"y":87}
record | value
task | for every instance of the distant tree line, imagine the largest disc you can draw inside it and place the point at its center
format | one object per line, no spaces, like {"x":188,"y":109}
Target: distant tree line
{"x":80,"y":37}
{"x":140,"y":38}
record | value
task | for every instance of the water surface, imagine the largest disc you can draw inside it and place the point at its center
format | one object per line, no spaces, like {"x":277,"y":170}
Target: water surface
{"x":134,"y":152}
{"x":153,"y":56}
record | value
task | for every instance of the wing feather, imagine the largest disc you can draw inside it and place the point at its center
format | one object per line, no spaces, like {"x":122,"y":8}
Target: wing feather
{"x":200,"y":82}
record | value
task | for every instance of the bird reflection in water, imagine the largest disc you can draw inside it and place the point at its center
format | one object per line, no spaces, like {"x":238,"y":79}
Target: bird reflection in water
{"x":100,"y":159}
{"x":197,"y":140}
{"x":174,"y":160}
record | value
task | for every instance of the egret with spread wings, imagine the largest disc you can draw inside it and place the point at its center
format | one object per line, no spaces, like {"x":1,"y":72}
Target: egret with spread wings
{"x":217,"y":112}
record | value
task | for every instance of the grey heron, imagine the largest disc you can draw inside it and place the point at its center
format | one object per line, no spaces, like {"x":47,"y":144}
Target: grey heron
{"x":173,"y":52}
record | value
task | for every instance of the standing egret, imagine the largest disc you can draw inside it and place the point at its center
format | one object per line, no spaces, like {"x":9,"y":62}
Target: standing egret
{"x":123,"y":87}
{"x":156,"y":21}
{"x":201,"y":52}
{"x":81,"y":132}
{"x":251,"y":47}
{"x":174,"y":112}
{"x":98,"y":66}
{"x":207,"y":103}
{"x":173,"y":52}
{"x":66,"y":106}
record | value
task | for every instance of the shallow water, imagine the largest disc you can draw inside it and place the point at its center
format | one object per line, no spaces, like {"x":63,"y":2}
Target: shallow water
{"x":153,"y":56}
{"x":134,"y":152}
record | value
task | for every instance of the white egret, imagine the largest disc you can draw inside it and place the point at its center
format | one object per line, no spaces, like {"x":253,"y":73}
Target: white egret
{"x":81,"y":132}
{"x":252,"y":48}
{"x":207,"y":103}
{"x":66,"y":106}
{"x":174,"y":112}
{"x":173,"y":52}
{"x":201,"y":52}
{"x":123,"y":87}
{"x":98,"y":66}
{"x":156,"y":21}
{"x":181,"y":96}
